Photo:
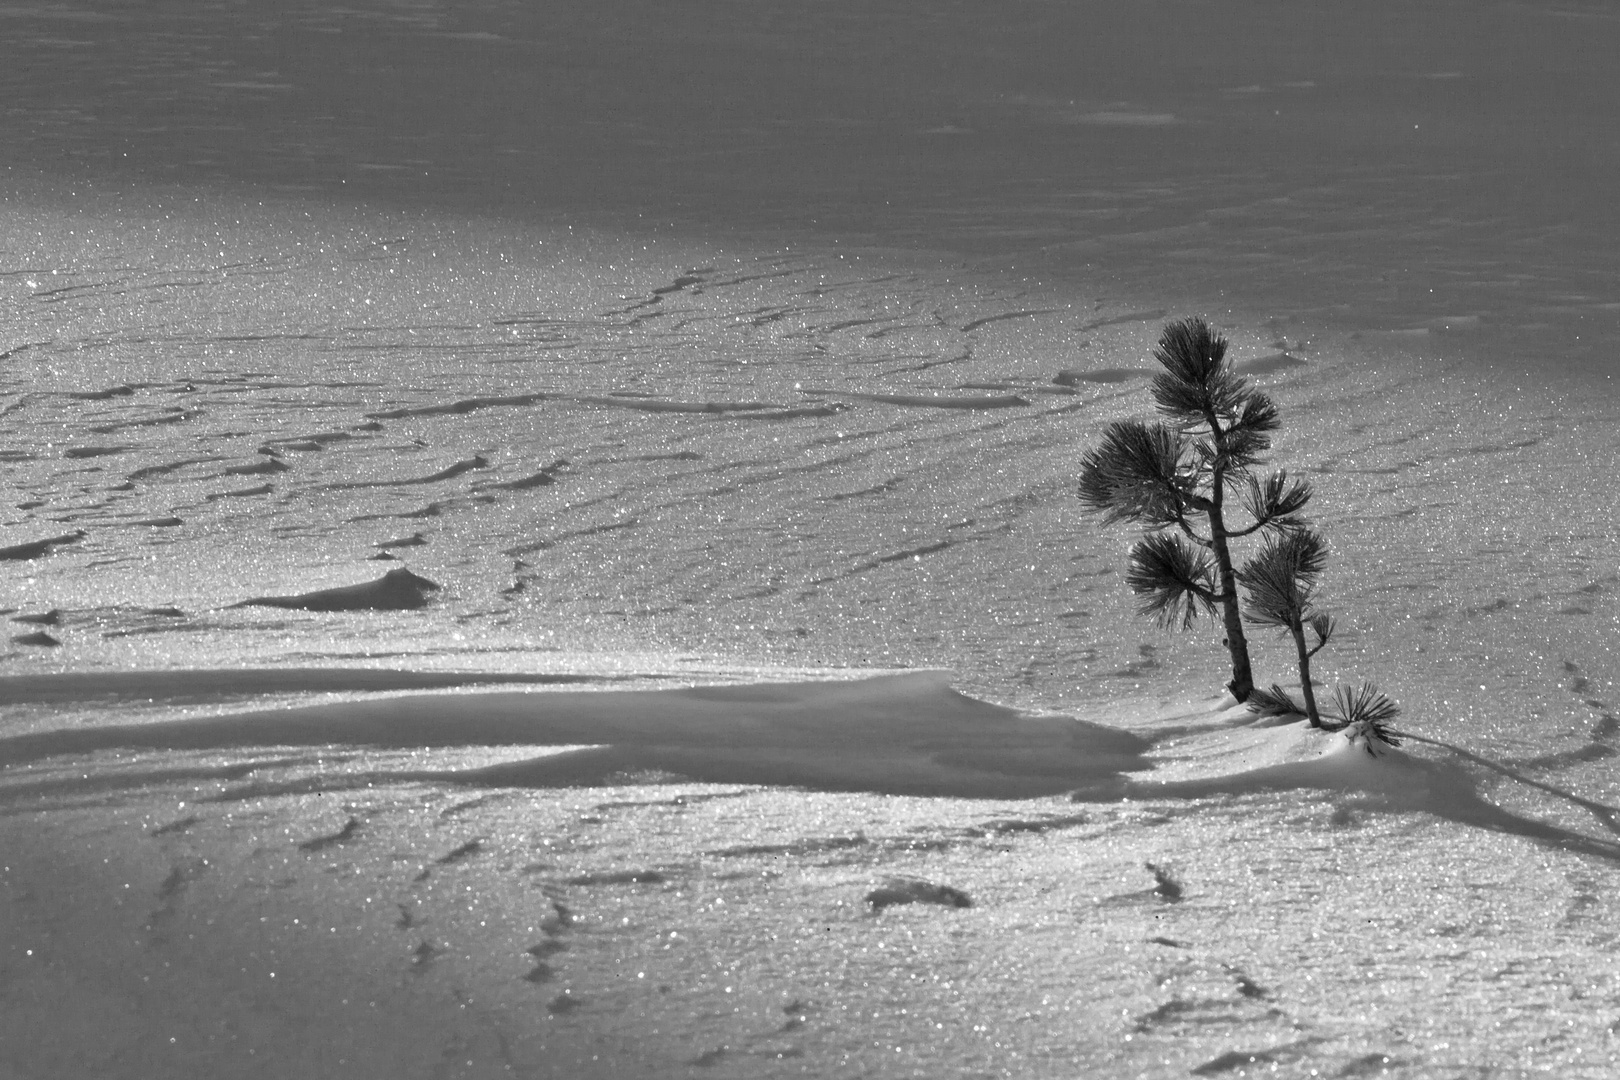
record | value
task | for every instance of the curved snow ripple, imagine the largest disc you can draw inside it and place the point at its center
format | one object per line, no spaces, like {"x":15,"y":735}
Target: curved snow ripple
{"x":186,"y":685}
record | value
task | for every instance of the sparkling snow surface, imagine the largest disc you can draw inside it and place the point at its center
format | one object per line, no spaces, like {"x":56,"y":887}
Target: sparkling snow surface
{"x":777,"y":712}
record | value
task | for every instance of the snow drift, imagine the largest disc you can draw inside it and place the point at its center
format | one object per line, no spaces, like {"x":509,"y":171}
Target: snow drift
{"x":896,"y":734}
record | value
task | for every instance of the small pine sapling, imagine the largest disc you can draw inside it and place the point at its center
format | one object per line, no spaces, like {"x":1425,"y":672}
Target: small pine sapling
{"x":1280,"y":582}
{"x":1179,"y":478}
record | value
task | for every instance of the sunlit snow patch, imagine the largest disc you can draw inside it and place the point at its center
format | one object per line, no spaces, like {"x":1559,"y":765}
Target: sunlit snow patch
{"x":1220,"y":749}
{"x":1244,"y":754}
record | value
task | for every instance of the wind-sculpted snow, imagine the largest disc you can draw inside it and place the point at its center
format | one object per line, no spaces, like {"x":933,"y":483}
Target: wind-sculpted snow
{"x":460,"y":408}
{"x":901,"y":734}
{"x":394,"y":591}
{"x":1100,"y":375}
{"x":940,"y":401}
{"x":33,"y":549}
{"x":449,"y":472}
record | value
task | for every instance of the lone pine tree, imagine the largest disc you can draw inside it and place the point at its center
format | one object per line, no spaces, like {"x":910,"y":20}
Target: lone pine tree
{"x":1182,"y":477}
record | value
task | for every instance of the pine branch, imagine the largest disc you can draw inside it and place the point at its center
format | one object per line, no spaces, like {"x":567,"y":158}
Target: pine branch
{"x":1274,"y":702}
{"x":1280,"y":579}
{"x":1258,"y":416}
{"x":1241,"y":450}
{"x":1275,"y":503}
{"x":1248,"y":433}
{"x":1189,"y":351}
{"x":1176,"y":580}
{"x":1309,"y":552}
{"x":1322,"y":625}
{"x":1192,"y":534}
{"x":1135,"y":475}
{"x":1196,"y":381}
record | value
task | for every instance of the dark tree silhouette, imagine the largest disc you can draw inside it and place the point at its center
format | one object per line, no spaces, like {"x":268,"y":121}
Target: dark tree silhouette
{"x":1280,"y":582}
{"x":1180,"y":477}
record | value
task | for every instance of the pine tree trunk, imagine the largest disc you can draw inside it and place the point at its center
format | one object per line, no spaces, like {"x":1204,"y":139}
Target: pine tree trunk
{"x":1311,"y":714}
{"x":1242,"y":684}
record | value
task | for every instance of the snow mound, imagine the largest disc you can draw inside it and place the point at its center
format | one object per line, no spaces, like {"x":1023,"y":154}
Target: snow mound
{"x":1258,"y":755}
{"x":1222,"y":749}
{"x":1218,"y":747}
